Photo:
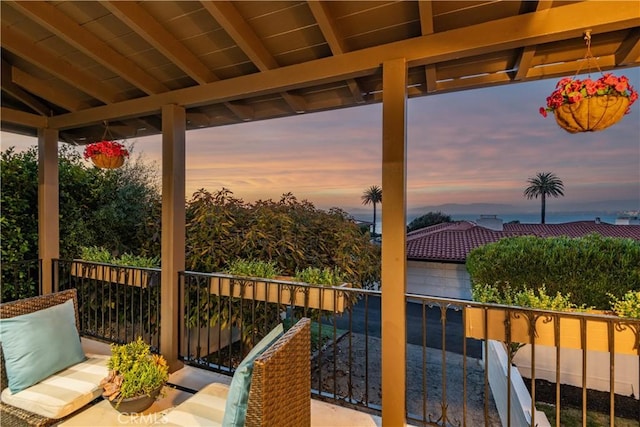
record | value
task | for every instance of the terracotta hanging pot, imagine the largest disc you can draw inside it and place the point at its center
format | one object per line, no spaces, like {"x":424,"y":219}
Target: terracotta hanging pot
{"x":107,"y":162}
{"x":590,"y":105}
{"x":592,"y":113}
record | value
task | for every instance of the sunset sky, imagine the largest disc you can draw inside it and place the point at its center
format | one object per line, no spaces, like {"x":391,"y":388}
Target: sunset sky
{"x":477,"y":146}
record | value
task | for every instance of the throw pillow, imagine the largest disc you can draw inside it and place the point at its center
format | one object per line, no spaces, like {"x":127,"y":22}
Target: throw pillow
{"x":39,"y":344}
{"x":235,"y":411}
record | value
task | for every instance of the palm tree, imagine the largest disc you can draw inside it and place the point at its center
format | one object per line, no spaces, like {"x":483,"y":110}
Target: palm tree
{"x":543,"y":184}
{"x":372,"y":195}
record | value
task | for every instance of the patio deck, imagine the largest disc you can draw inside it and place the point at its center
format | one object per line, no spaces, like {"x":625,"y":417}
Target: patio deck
{"x":322,"y":414}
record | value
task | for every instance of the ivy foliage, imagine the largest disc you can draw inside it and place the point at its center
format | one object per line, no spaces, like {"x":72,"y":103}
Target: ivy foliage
{"x":292,"y":234}
{"x":591,"y":268}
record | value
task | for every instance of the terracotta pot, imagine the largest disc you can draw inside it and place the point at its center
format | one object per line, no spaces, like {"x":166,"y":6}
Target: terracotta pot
{"x":107,"y":162}
{"x":136,"y":403}
{"x":592,"y":113}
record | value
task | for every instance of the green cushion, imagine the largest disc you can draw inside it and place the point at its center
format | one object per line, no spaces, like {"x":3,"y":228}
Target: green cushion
{"x":235,"y":411}
{"x":39,"y":344}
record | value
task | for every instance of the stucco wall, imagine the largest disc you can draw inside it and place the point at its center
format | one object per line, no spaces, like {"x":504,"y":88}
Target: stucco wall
{"x":438,"y":279}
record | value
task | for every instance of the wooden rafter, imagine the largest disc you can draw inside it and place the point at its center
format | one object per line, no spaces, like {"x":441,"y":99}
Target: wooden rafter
{"x":26,"y":49}
{"x":426,"y":26}
{"x":70,"y":31}
{"x":335,"y":41}
{"x":10,"y":86}
{"x":232,"y":22}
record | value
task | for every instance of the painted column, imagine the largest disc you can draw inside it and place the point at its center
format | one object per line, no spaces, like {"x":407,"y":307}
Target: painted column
{"x":173,"y":228}
{"x":48,"y":205}
{"x":394,"y":258}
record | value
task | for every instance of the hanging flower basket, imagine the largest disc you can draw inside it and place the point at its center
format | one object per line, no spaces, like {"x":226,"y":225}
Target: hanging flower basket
{"x":106,"y":154}
{"x":587,"y":105}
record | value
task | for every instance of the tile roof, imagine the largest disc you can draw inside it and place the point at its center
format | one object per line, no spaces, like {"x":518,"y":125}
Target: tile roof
{"x":453,"y":241}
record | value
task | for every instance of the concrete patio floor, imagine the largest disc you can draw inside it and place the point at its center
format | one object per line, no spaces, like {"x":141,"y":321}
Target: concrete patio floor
{"x":322,"y":414}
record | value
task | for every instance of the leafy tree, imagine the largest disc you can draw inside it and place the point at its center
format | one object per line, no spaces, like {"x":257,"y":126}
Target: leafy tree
{"x":293,"y":234}
{"x":544,"y":184}
{"x":372,"y":195}
{"x":428,"y":219}
{"x":117,"y":209}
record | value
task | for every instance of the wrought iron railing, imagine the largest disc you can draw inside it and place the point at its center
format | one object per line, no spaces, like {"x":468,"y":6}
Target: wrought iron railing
{"x":468,"y":363}
{"x":20,"y":279}
{"x":224,"y":315}
{"x":116,"y":303}
{"x":533,"y":365}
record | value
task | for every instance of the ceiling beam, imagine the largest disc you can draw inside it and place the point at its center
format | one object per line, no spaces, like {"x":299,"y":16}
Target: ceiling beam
{"x":629,"y":51}
{"x":243,"y":35}
{"x":34,"y":53}
{"x":88,"y":44}
{"x":17,"y":117}
{"x":147,"y":27}
{"x":522,"y":30}
{"x":523,"y":63}
{"x":46,"y":90}
{"x":336,"y":42}
{"x":426,"y":26}
{"x":15,"y":90}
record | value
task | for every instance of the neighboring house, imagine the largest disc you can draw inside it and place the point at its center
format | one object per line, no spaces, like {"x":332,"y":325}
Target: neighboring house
{"x":436,"y":255}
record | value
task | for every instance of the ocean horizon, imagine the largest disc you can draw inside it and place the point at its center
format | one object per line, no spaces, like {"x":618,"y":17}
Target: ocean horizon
{"x":530,"y":218}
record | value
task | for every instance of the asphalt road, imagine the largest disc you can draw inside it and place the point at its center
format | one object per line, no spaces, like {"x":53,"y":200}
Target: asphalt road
{"x":366,"y":316}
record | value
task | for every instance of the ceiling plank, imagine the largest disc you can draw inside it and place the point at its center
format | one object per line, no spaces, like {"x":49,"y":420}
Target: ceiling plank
{"x":243,"y":35}
{"x":426,"y":27}
{"x":629,"y":51}
{"x":568,"y":68}
{"x":26,"y":49}
{"x":21,"y":118}
{"x":46,"y":90}
{"x":15,"y":90}
{"x":86,"y":42}
{"x":502,"y":34}
{"x":157,"y":36}
{"x":234,"y":24}
{"x":147,"y":27}
{"x":335,"y":41}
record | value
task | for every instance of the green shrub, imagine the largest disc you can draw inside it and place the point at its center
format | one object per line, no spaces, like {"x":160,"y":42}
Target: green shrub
{"x":253,"y":268}
{"x":100,"y":254}
{"x":319,"y":276}
{"x":526,"y":297}
{"x":587,"y":268}
{"x":628,"y":306}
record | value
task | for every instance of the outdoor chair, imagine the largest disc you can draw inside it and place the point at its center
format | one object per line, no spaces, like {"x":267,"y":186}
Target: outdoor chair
{"x":59,"y":394}
{"x":279,"y":393}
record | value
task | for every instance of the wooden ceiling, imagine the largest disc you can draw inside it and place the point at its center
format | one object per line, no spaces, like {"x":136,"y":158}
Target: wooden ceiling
{"x":76,"y":65}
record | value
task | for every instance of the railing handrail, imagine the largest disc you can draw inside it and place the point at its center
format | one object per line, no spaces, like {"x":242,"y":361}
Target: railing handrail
{"x":590,"y":315}
{"x":341,"y":287}
{"x":106,"y":264}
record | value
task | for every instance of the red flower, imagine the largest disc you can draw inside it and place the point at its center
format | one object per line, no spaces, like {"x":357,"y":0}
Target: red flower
{"x":107,"y":148}
{"x":571,"y":91}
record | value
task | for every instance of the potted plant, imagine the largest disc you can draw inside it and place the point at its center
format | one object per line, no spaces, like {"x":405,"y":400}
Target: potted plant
{"x":135,"y":377}
{"x":588,"y":105}
{"x":106,"y":154}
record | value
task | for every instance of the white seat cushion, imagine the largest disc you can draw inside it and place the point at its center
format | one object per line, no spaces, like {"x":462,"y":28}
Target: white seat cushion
{"x":64,"y":392}
{"x":205,"y":408}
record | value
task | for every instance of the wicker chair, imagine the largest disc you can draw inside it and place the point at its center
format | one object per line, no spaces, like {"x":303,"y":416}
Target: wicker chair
{"x":279,"y":395}
{"x":10,"y":415}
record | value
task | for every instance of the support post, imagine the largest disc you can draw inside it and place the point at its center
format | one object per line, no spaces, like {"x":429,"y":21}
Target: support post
{"x":48,"y":205}
{"x":394,"y":259}
{"x":173,"y":228}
